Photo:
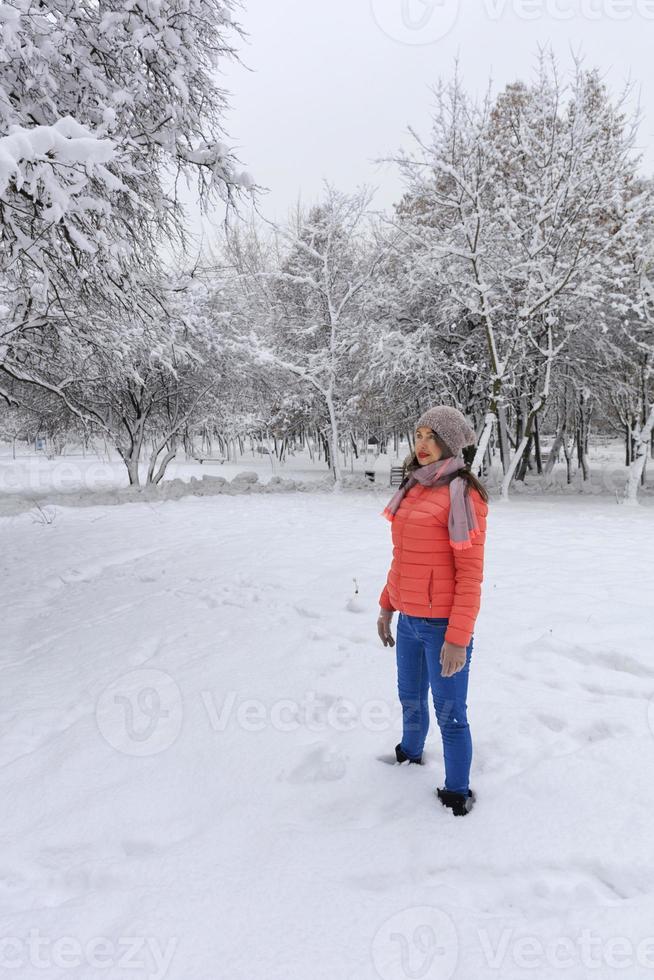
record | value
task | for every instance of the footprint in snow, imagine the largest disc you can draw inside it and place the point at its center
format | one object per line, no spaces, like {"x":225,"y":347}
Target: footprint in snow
{"x":305,"y":611}
{"x":601,"y":730}
{"x":552,"y":722}
{"x":321,"y":764}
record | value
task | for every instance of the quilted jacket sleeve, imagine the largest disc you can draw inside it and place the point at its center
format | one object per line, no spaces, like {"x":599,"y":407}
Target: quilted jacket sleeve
{"x":468,"y":576}
{"x":384,"y":601}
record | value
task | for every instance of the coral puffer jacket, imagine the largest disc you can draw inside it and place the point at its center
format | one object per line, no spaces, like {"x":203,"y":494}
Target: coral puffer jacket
{"x":427,"y":576}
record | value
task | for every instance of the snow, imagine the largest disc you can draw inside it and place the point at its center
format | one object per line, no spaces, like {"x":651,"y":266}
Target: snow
{"x":100,"y":477}
{"x":194,"y":698}
{"x":68,"y":140}
{"x":93,"y":478}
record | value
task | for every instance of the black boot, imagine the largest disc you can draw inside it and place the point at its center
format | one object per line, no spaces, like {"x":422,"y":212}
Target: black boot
{"x":403,"y":757}
{"x":457,"y":802}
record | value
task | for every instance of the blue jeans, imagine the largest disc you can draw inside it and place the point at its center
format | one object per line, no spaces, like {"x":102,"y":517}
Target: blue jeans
{"x":418,"y":645}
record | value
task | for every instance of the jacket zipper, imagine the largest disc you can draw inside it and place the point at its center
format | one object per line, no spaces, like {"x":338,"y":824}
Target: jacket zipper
{"x":431,"y":577}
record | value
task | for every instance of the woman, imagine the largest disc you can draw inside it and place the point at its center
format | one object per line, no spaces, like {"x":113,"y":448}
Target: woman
{"x":438,"y":519}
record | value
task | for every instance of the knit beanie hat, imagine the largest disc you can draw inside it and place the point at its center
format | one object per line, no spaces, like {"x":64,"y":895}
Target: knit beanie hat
{"x":451,"y":427}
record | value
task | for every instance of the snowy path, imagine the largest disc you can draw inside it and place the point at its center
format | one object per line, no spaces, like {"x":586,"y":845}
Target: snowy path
{"x":191,"y":718}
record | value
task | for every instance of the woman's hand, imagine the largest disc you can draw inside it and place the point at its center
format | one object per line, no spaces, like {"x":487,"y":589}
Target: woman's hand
{"x":453,"y":658}
{"x":384,"y":627}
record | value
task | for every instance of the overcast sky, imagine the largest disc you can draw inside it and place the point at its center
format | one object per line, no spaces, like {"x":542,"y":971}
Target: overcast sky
{"x":334,"y":84}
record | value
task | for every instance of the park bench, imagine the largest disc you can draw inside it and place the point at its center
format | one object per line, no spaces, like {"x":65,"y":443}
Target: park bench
{"x":210,"y":459}
{"x":396,"y":475}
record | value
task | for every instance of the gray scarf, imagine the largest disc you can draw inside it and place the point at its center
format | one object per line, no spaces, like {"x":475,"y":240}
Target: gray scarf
{"x":462,"y":520}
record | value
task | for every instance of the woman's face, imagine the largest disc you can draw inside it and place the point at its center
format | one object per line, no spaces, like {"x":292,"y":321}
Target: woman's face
{"x":427,"y":448}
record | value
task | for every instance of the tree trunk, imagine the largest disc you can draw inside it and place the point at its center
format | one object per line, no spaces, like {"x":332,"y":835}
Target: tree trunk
{"x":488,"y":461}
{"x":521,"y":471}
{"x":482,"y":445}
{"x":503,"y":437}
{"x":131,"y":460}
{"x":335,"y":461}
{"x":556,"y":448}
{"x":324,"y":444}
{"x":519,"y":425}
{"x":567,"y":451}
{"x":171,"y":446}
{"x":132,"y":456}
{"x":582,"y":455}
{"x":508,"y":476}
{"x":539,"y":461}
{"x":582,"y":432}
{"x":637,"y":468}
{"x":524,"y":442}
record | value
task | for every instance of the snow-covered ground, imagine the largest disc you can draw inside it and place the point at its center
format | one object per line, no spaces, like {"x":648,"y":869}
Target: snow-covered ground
{"x":82,"y":478}
{"x":193,"y":701}
{"x":22,"y":469}
{"x":88,"y":477}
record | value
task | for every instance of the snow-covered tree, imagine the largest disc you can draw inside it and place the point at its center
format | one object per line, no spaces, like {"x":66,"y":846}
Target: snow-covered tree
{"x":103,"y":107}
{"x":308,"y":321}
{"x":640,"y":333}
{"x":141,"y":388}
{"x":518,"y":203}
